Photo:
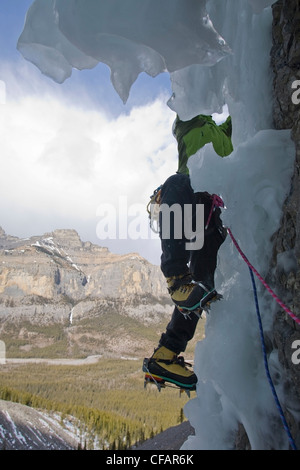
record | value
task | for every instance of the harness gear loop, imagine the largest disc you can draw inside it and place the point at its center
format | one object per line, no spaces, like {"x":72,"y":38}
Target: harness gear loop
{"x":153,"y":209}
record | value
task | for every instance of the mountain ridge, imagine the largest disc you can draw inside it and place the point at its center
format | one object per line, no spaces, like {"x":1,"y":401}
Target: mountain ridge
{"x":56,"y":279}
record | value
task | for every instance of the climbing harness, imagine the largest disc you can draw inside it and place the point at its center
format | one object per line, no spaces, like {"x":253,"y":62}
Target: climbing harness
{"x":153,"y":208}
{"x":253,"y":270}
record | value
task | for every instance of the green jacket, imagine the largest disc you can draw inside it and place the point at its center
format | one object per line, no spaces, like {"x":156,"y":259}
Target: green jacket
{"x":194,"y":134}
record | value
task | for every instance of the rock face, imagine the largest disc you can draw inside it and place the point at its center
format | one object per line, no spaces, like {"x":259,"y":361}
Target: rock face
{"x":57,"y":278}
{"x":59,"y":266}
{"x":284,"y":273}
{"x":285,"y":59}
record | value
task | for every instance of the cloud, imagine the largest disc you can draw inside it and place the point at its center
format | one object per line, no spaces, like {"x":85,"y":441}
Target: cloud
{"x":60,"y":162}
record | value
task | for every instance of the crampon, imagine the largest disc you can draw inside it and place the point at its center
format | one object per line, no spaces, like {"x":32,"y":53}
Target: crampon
{"x":160,"y":382}
{"x":204,"y":304}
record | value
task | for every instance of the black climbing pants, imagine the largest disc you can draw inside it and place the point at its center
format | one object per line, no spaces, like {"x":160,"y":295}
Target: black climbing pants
{"x":176,"y":259}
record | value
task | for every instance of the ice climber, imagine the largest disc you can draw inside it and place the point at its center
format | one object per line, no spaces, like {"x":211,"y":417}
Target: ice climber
{"x":189,"y":272}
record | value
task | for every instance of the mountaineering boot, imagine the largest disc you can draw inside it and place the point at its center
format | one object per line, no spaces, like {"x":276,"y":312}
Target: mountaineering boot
{"x":189,"y":296}
{"x":166,"y":366}
{"x":184,"y":293}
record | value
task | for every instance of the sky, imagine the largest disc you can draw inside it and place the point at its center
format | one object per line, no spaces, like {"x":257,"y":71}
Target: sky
{"x":73,"y":155}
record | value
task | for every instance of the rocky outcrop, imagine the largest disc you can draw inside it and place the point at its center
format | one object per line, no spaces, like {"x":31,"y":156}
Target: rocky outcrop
{"x":60,"y":267}
{"x":58,"y":279}
{"x":285,"y":59}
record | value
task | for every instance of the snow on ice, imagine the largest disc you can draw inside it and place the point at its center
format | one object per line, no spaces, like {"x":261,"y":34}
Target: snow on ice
{"x":217,"y":56}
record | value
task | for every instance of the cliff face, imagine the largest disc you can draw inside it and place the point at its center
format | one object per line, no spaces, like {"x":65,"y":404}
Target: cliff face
{"x":60,"y":264}
{"x":285,"y":60}
{"x":284,"y":274}
{"x":58,"y":279}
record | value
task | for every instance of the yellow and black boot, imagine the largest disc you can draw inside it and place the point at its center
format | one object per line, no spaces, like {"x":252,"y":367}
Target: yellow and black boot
{"x":166,"y":366}
{"x":189,"y":296}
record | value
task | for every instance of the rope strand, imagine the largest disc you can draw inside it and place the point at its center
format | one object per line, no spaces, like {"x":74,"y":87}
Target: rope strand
{"x":253,"y":270}
{"x":284,"y":422}
{"x":285,"y":308}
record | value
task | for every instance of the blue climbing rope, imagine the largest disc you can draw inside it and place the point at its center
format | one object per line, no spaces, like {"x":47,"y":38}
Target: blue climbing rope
{"x":285,"y":425}
{"x":295,"y":318}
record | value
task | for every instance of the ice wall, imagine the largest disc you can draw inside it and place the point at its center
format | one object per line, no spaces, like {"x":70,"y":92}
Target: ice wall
{"x":211,"y":65}
{"x":254,"y":181}
{"x":130,"y":37}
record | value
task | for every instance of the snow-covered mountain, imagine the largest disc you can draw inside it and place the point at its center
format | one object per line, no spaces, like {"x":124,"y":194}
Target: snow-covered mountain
{"x":57,"y":279}
{"x":218,"y":56}
{"x":24,"y":428}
